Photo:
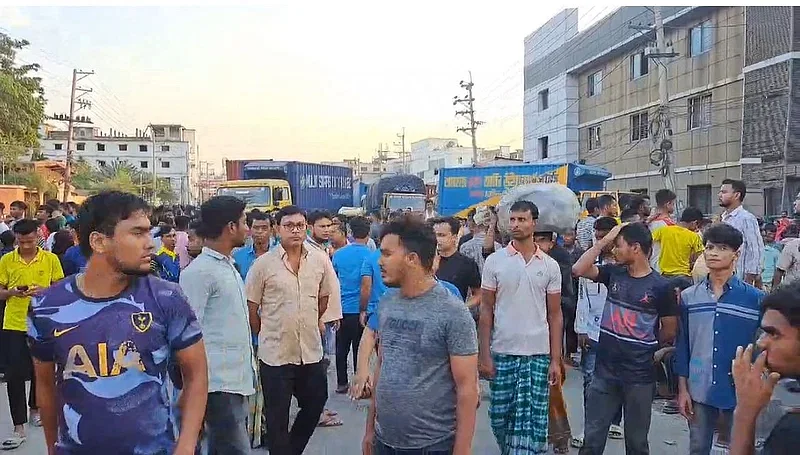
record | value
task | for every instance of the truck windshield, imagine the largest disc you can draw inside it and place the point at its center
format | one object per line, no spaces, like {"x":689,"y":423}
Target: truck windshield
{"x":397,"y":201}
{"x":252,"y":196}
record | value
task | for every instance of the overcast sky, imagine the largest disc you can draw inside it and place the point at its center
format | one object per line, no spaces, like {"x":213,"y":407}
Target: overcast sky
{"x":313,"y":80}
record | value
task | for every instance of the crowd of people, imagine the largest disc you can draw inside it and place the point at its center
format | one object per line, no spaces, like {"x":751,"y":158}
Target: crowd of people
{"x":192,"y":330}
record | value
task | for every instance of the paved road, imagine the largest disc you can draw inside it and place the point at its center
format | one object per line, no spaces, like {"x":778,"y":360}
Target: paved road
{"x":668,"y":434}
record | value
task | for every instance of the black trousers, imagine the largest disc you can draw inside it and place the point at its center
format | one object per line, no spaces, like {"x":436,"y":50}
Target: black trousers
{"x":18,"y":369}
{"x":16,"y":401}
{"x":348,"y":336}
{"x":309,"y":384}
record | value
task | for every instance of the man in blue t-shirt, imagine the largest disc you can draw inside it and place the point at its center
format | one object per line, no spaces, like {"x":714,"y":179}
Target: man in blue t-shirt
{"x":640,"y":312}
{"x":348,"y":262}
{"x":102,"y":342}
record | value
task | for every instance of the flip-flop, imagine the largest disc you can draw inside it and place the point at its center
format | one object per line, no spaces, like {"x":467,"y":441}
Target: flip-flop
{"x":576,"y":442}
{"x":36,"y":420}
{"x":330,"y":421}
{"x":615,"y":432}
{"x":330,"y":413}
{"x":12,"y":442}
{"x":560,"y":449}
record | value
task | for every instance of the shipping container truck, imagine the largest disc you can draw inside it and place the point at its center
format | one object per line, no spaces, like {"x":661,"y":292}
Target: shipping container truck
{"x":394,"y":193}
{"x":463,"y":187}
{"x":312,"y":186}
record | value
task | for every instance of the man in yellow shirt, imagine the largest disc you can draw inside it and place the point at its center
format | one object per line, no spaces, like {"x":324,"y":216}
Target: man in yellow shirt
{"x":23,"y":273}
{"x":680,"y":247}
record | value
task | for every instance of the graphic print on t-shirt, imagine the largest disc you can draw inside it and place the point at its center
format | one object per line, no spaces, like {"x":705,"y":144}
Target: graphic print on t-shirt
{"x":111,"y":361}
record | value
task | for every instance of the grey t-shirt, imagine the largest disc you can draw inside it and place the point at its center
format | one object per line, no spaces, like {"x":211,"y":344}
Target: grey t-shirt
{"x":416,"y":393}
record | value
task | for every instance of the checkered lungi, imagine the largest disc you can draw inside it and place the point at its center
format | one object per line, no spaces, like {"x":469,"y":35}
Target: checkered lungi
{"x":520,"y":403}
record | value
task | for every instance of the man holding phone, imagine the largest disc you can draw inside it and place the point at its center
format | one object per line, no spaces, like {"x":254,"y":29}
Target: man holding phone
{"x":23,"y":272}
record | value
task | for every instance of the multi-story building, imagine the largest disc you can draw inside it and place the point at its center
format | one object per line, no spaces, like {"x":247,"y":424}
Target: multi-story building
{"x":364,"y":171}
{"x":593,"y":97}
{"x":170,"y":148}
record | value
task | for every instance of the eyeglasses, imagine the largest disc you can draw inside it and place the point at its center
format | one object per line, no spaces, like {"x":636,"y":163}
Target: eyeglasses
{"x":294,"y":227}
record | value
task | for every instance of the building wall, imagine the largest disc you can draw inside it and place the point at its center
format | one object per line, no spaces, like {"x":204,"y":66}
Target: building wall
{"x":558,"y":122}
{"x":703,"y":156}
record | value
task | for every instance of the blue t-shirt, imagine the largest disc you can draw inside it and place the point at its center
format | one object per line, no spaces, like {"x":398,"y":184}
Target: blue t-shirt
{"x":111,"y":359}
{"x":73,"y":261}
{"x":348,"y":263}
{"x":243,"y":259}
{"x":372,"y":320}
{"x":371,"y":269}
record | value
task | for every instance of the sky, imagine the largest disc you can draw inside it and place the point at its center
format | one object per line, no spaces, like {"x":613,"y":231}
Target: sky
{"x":311,"y":81}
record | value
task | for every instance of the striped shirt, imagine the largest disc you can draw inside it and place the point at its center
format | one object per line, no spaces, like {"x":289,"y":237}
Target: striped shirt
{"x":753,"y":248}
{"x":710,"y":330}
{"x":585,"y":232}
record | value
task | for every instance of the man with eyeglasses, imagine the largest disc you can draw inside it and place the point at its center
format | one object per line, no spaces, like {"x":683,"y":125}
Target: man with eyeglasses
{"x":287,"y":292}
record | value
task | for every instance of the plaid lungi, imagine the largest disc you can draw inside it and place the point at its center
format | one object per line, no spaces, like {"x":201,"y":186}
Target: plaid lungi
{"x":520,"y":402}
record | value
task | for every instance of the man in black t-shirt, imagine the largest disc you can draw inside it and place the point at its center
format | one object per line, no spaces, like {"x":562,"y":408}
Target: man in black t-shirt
{"x":453,"y":266}
{"x":755,"y":382}
{"x":640,"y":312}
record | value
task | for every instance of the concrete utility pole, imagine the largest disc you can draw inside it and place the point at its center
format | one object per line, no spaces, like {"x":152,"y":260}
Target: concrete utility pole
{"x":73,"y":99}
{"x":469,"y":113}
{"x":402,"y":145}
{"x":664,"y":156}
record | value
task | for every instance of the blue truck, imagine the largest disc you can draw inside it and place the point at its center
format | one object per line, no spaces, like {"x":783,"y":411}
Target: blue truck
{"x":464,"y":187}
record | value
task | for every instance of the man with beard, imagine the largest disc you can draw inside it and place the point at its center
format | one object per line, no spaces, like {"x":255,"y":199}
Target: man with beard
{"x":755,"y":382}
{"x":106,"y":336}
{"x":731,"y":197}
{"x":216,"y":293}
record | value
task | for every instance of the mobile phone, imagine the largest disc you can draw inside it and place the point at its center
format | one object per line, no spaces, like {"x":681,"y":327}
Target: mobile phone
{"x":22,"y":288}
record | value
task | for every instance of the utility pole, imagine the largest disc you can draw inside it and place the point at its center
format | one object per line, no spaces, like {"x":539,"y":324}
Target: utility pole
{"x":664,"y":156}
{"x":73,"y":99}
{"x":469,"y":113}
{"x":402,"y":145}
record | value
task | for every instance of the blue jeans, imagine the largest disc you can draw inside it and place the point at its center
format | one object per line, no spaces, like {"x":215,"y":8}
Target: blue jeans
{"x":588,"y":358}
{"x":440,"y":448}
{"x":701,"y":428}
{"x":604,"y":400}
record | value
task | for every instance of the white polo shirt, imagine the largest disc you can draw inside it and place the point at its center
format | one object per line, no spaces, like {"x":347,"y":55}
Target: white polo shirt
{"x":520,"y":312}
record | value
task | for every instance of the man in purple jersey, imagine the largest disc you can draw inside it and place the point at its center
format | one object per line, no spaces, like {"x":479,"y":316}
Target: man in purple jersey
{"x":101,"y":342}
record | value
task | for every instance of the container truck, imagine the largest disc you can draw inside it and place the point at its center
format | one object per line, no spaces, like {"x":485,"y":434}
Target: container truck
{"x":397,"y":192}
{"x":311,"y":186}
{"x":461,"y":188}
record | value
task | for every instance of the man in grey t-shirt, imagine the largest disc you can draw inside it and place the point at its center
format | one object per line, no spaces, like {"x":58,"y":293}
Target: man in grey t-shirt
{"x":427,"y":364}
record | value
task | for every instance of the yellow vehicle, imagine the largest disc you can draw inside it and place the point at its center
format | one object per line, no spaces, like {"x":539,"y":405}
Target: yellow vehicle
{"x":266,"y":195}
{"x":623,"y":198}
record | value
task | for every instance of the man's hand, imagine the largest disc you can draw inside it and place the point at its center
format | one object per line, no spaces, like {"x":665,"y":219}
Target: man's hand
{"x":613,"y":233}
{"x":336,"y":324}
{"x":554,"y":373}
{"x":486,"y":367}
{"x":321,"y":328}
{"x":685,"y":406}
{"x":754,"y":384}
{"x":583,"y":340}
{"x":362,"y":318}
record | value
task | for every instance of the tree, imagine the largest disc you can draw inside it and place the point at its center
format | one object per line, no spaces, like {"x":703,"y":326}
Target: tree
{"x":21,"y":102}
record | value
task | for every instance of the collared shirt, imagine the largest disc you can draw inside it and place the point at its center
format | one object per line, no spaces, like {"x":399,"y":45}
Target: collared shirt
{"x":334,"y":311}
{"x":216,"y":293}
{"x":165,"y":265}
{"x":289,"y":305}
{"x":473,"y":249}
{"x":753,"y":247}
{"x":520,"y":318}
{"x":710,"y":331}
{"x":42,"y":271}
{"x":789,"y":261}
{"x":585,"y":232}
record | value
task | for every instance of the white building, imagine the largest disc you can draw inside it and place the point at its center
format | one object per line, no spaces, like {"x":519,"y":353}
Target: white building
{"x":429,"y":155}
{"x":174,"y":156}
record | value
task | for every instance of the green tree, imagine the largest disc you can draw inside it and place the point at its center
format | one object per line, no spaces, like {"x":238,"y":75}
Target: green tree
{"x":21,"y":102}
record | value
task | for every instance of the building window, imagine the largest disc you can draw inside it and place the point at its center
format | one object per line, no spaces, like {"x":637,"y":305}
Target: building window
{"x":639,"y":127}
{"x":544,"y":99}
{"x":364,"y":168}
{"x":123,"y":147}
{"x":165,"y":148}
{"x":700,"y":198}
{"x":165,"y":165}
{"x":699,"y":112}
{"x":594,"y":137}
{"x":143,"y":148}
{"x":101,"y":147}
{"x":101,"y":163}
{"x":81,"y":146}
{"x":701,"y":38}
{"x":143,"y":164}
{"x":639,"y":65}
{"x":543,"y":149}
{"x":595,"y":83}
{"x":82,"y":133}
{"x":58,"y":146}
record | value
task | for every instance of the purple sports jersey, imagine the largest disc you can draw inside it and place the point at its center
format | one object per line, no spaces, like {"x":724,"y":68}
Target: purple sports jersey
{"x":111,"y":359}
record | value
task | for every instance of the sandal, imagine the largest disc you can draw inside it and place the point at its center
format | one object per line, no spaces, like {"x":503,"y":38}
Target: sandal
{"x":560,"y":449}
{"x":330,"y":421}
{"x":576,"y":442}
{"x":36,"y":420}
{"x":329,"y":413}
{"x":615,"y":432}
{"x":13,"y":441}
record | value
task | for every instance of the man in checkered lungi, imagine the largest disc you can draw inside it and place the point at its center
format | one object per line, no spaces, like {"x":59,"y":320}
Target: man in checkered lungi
{"x":520,"y":332}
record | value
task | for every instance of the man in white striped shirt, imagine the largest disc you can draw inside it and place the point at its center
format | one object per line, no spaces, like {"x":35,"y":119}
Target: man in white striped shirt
{"x":731,"y":196}
{"x":585,"y":227}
